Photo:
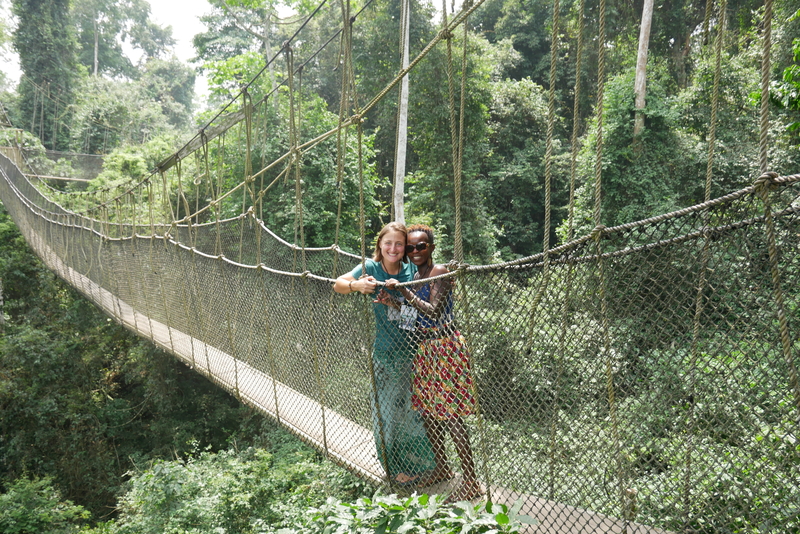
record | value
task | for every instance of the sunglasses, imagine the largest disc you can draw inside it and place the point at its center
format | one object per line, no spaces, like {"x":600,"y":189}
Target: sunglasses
{"x":419,"y":247}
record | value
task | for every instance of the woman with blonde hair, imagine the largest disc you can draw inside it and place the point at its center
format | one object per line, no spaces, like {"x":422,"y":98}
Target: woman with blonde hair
{"x":400,"y":437}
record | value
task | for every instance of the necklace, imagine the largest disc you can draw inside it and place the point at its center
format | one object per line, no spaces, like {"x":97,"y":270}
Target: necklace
{"x":383,"y":266}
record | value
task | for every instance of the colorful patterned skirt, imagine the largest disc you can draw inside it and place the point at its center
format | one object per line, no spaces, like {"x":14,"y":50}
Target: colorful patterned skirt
{"x":442,"y":385}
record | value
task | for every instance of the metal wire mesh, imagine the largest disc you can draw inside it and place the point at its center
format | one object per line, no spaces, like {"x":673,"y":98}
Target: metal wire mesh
{"x":648,"y":385}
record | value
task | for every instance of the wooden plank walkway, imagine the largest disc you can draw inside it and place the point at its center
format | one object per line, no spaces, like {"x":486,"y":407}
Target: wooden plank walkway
{"x":346,"y":442}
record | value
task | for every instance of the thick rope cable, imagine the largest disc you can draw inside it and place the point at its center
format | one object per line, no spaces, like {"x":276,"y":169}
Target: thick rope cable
{"x":458,"y":164}
{"x":598,"y":236}
{"x":702,"y":283}
{"x":766,"y":71}
{"x":762,"y":187}
{"x":567,"y":300}
{"x":548,"y":173}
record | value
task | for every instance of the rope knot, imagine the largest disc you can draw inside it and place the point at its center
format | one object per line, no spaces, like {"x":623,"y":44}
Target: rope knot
{"x":357,"y":118}
{"x":765,"y":182}
{"x":446,"y":34}
{"x":296,"y":155}
{"x":249,"y":179}
{"x":598,"y":231}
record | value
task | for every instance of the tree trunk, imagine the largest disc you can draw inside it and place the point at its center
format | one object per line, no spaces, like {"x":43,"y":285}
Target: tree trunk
{"x":402,"y":122}
{"x":640,"y":87}
{"x":96,"y":47}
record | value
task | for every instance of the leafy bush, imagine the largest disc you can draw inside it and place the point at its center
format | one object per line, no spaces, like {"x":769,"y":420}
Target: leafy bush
{"x":34,"y":506}
{"x":418,"y":513}
{"x":230,"y":491}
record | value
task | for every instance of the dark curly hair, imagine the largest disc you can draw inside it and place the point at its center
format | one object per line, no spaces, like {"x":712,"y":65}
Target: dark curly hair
{"x":422,"y":228}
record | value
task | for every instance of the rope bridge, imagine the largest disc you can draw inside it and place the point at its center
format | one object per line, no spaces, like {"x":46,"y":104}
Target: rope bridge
{"x":640,"y":378}
{"x":658,"y":425}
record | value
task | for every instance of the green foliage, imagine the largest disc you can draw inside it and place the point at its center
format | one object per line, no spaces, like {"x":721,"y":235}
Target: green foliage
{"x":662,"y":173}
{"x":110,"y":113}
{"x":170,"y":83}
{"x":106,"y":24}
{"x":222,"y":39}
{"x":46,"y":45}
{"x":129,"y":164}
{"x":83,"y":400}
{"x":515,"y":166}
{"x":787,"y":94}
{"x":229,"y":74}
{"x":245,"y":491}
{"x":388,"y":514}
{"x":35,"y":506}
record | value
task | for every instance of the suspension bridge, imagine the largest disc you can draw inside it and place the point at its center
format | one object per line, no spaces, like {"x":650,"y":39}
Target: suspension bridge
{"x":639,"y":378}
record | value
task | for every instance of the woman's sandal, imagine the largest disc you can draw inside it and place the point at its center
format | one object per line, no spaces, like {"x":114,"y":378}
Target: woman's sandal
{"x":465,"y":492}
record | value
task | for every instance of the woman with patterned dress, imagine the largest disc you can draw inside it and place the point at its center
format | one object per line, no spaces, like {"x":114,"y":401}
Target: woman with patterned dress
{"x":400,"y":436}
{"x":442,"y":386}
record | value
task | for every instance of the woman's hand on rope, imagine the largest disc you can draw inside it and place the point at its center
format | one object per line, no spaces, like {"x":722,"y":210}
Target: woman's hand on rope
{"x":365,"y":285}
{"x":346,"y":284}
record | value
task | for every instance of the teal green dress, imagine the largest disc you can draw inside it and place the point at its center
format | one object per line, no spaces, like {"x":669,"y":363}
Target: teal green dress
{"x":399,"y":434}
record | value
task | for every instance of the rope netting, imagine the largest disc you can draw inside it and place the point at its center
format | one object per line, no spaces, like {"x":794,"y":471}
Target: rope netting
{"x":641,"y":378}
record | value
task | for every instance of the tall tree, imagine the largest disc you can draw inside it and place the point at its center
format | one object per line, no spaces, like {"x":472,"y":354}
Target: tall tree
{"x":640,"y":84}
{"x":402,"y":121}
{"x":46,"y":46}
{"x":102,"y":27}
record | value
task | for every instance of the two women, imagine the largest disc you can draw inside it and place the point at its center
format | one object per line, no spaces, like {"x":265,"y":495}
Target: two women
{"x":442,"y":381}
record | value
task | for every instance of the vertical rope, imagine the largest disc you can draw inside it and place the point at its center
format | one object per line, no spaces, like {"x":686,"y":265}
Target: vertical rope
{"x":248,"y":167}
{"x":299,"y":228}
{"x":702,"y":281}
{"x":566,"y":301}
{"x":358,"y":120}
{"x":458,"y":163}
{"x":458,"y":248}
{"x":765,"y":75}
{"x":186,"y":208}
{"x":217,"y":205}
{"x":548,"y":173}
{"x":598,"y":236}
{"x":762,"y":188}
{"x":345,"y":52}
{"x":270,"y":352}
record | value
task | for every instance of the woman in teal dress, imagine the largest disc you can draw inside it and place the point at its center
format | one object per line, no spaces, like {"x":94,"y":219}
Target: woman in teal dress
{"x":403,"y":447}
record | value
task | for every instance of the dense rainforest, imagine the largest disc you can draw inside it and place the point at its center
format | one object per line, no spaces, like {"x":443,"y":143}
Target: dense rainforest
{"x":101,"y":431}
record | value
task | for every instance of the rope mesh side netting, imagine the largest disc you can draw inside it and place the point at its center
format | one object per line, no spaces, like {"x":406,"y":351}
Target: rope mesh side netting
{"x":644,"y":374}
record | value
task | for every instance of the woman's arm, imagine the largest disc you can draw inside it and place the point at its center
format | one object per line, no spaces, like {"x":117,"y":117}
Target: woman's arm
{"x":438,"y":298}
{"x":347,"y":283}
